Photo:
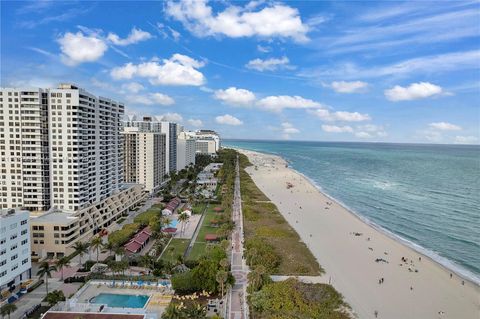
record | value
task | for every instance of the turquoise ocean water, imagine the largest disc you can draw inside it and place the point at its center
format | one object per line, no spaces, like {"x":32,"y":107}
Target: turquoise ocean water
{"x":425,"y":195}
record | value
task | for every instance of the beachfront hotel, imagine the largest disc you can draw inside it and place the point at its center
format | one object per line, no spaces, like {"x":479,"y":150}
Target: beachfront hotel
{"x":144,"y":157}
{"x":15,"y":261}
{"x":62,"y":159}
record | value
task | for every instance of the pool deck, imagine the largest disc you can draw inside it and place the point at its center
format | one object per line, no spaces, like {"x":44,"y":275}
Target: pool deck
{"x":157,"y":302}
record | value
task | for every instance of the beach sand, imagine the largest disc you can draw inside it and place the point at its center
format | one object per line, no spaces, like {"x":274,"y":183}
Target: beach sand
{"x":412,"y":289}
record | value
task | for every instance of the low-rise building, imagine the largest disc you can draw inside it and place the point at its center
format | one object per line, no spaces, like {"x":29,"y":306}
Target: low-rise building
{"x":15,"y":262}
{"x":54,"y":232}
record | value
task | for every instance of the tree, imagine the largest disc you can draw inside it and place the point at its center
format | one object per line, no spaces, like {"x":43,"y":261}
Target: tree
{"x":183,"y":218}
{"x":257,"y":278}
{"x":96,"y":243}
{"x":7,"y":309}
{"x":45,"y":270}
{"x":61,"y":264}
{"x":80,"y":249}
{"x":55,"y":296}
{"x":110,"y":247}
{"x":221,"y":277}
{"x":173,"y":312}
{"x":196,"y":311}
{"x":148,"y":261}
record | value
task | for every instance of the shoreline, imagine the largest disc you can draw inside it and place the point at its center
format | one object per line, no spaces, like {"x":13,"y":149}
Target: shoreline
{"x":458,"y":270}
{"x":387,"y":239}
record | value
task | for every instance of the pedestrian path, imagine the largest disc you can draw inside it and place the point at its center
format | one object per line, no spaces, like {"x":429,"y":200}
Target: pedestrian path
{"x":237,"y":297}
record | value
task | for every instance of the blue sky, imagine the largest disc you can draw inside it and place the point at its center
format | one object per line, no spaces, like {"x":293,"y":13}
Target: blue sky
{"x":302,"y":70}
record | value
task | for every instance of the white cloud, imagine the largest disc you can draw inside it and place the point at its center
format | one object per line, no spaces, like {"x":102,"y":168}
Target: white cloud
{"x":170,"y":117}
{"x":263,"y":49}
{"x":150,"y":99}
{"x":287,"y":129}
{"x":273,"y":20}
{"x":370,"y":131}
{"x":133,"y":87}
{"x":348,"y":87}
{"x":228,"y":119}
{"x":466,"y":140}
{"x":414,"y":91}
{"x":280,"y":102}
{"x":343,"y":116}
{"x":135,"y":36}
{"x":444,"y":126}
{"x":235,"y":96}
{"x":195,"y":122}
{"x":271,"y":64}
{"x":337,"y":129}
{"x":78,"y":48}
{"x":178,"y":70}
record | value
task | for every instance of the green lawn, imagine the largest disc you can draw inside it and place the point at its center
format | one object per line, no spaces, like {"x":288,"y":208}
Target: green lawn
{"x":198,"y":209}
{"x":199,"y":247}
{"x":145,"y":217}
{"x":198,"y":250}
{"x":176,"y":247}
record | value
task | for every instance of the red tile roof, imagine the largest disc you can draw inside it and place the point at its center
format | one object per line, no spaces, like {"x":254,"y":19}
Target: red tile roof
{"x":210,"y":237}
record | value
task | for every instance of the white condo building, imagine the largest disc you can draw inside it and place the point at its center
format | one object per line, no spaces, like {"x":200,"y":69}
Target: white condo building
{"x":185,"y":151}
{"x":144,"y":158}
{"x":62,"y":151}
{"x":206,"y":141}
{"x":15,"y":261}
{"x":150,"y":124}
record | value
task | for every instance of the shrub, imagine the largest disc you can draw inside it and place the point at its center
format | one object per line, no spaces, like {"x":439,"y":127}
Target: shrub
{"x":121,"y":236}
{"x":260,"y":252}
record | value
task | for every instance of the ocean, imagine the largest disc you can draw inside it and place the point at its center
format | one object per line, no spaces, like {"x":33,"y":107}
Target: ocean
{"x":427,"y":196}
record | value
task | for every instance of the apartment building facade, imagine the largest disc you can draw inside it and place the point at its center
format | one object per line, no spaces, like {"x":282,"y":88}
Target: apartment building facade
{"x":185,"y":151}
{"x":144,"y":158}
{"x":62,"y":151}
{"x":15,"y":261}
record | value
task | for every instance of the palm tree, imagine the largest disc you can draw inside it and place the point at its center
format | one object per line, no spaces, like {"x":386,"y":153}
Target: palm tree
{"x":147,"y":261}
{"x":110,"y":247}
{"x":45,"y":270}
{"x":196,"y":311}
{"x":61,"y":264}
{"x":183,"y":218}
{"x":224,"y":263}
{"x":173,"y":312}
{"x":256,"y":278}
{"x":80,"y":249}
{"x":7,"y":309}
{"x":221,"y":277}
{"x":96,"y":243}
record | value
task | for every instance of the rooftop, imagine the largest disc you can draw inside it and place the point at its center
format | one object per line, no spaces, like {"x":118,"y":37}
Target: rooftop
{"x":4,"y":213}
{"x":55,"y":216}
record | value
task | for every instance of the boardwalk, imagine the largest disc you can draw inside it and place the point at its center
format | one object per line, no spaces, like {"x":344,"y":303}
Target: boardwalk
{"x":237,"y":298}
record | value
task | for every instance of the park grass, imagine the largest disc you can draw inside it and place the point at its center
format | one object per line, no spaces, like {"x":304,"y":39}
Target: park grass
{"x":145,"y":217}
{"x":176,"y":248}
{"x":199,"y":246}
{"x":121,"y":236}
{"x":263,"y":221}
{"x":198,"y":250}
{"x":198,"y":209}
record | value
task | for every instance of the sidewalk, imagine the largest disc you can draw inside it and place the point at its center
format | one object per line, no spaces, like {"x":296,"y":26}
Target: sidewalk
{"x":238,"y":306}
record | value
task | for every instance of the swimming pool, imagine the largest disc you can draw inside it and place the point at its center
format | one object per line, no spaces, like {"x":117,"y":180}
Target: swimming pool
{"x":173,"y":223}
{"x":121,"y":301}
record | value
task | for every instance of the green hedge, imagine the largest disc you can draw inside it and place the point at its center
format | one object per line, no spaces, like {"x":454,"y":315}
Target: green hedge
{"x":121,"y":236}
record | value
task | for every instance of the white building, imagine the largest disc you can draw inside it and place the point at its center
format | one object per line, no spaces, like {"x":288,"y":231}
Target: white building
{"x":15,"y":262}
{"x":206,"y":141}
{"x":151,"y":124}
{"x":59,"y":147}
{"x":24,"y":154}
{"x":62,"y":149}
{"x":185,"y":151}
{"x":144,"y":158}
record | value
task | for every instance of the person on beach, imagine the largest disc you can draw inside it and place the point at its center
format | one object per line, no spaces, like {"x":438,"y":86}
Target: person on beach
{"x":375,"y":313}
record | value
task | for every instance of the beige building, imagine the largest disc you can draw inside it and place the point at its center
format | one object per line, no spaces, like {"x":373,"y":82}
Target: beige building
{"x":144,"y":157}
{"x":55,"y":232}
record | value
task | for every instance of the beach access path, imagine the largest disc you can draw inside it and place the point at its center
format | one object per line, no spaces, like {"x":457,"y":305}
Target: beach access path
{"x":238,"y":308}
{"x":379,"y":276}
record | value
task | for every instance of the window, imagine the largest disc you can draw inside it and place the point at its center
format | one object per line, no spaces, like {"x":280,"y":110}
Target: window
{"x":3,"y":262}
{"x":14,"y":247}
{"x":24,"y":261}
{"x":3,"y":241}
{"x":23,"y":222}
{"x":3,"y":252}
{"x":24,"y":241}
{"x":14,"y":257}
{"x":24,"y":232}
{"x":3,"y":273}
{"x":13,"y":236}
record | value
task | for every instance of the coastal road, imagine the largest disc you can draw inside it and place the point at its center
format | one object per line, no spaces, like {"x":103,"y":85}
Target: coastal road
{"x":237,"y":296}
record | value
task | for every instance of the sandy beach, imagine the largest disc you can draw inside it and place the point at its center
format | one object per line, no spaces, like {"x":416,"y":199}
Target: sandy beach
{"x":374,"y":272}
